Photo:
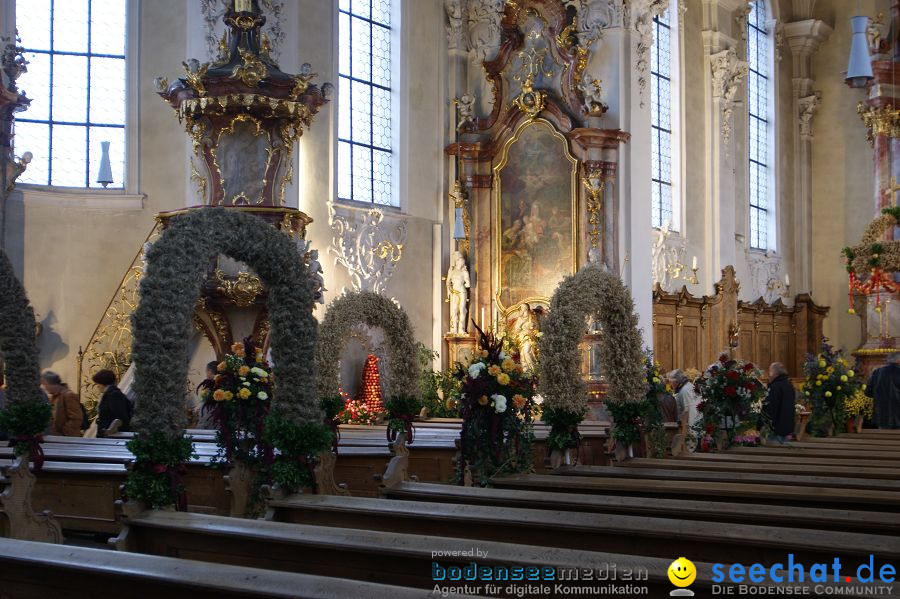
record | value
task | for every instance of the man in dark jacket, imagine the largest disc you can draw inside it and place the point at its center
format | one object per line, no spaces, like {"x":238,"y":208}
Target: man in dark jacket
{"x":113,"y":403}
{"x":884,"y":388}
{"x":779,"y":404}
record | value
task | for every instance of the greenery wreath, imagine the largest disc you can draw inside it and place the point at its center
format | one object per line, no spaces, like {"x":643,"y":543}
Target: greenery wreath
{"x":592,"y":291}
{"x":177,"y":265}
{"x":364,"y":307}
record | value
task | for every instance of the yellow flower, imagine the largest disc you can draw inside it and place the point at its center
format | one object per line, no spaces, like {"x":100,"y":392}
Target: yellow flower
{"x":483,"y":400}
{"x":843,"y":378}
{"x":508,"y":365}
{"x":656,"y":379}
{"x":828,"y":394}
{"x":503,"y":378}
{"x":244,"y":393}
{"x":851,"y":373}
{"x":830,"y":370}
{"x":821,"y":363}
{"x":839,"y":388}
{"x":236,"y":347}
{"x":243,"y":370}
{"x":221,"y":367}
{"x":818,"y":383}
{"x":204,"y":393}
{"x":229,"y":396}
{"x":806,"y":393}
{"x":493,"y":370}
{"x":219,"y":395}
{"x":260,"y":357}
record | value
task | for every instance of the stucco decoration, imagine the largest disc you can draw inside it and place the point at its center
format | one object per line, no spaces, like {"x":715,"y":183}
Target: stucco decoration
{"x":807,"y":108}
{"x":457,"y":35}
{"x":367,"y":244}
{"x":483,"y":21}
{"x":766,"y":276}
{"x":643,"y":12}
{"x":213,"y":11}
{"x":727,"y":73}
{"x":667,"y":257}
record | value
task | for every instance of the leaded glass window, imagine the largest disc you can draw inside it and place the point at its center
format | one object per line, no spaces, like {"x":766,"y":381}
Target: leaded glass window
{"x":661,"y":122}
{"x":758,"y":81}
{"x":76,"y":82}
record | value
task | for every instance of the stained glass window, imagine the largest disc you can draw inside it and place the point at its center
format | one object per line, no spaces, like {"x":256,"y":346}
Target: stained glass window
{"x":661,"y":122}
{"x":758,"y":103}
{"x":76,"y":81}
{"x":364,"y":100}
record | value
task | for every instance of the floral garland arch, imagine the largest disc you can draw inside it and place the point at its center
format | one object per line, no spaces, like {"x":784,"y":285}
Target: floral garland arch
{"x":592,"y":291}
{"x":176,"y":268}
{"x":872,"y":262}
{"x":376,"y":311}
{"x":27,"y":413}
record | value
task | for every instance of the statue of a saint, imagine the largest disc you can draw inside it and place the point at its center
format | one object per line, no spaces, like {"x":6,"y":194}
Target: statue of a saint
{"x":457,"y":293}
{"x":525,"y":330}
{"x":315,"y":267}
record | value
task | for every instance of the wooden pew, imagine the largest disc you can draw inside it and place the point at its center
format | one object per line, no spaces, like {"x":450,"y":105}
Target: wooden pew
{"x":632,"y":535}
{"x":818,"y":452}
{"x":887,"y":501}
{"x":809,"y":479}
{"x":31,"y":570}
{"x":693,"y":509}
{"x":789,"y":458}
{"x":402,"y":559}
{"x":762,"y":468}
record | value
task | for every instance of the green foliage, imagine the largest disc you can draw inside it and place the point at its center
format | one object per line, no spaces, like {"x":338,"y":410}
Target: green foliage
{"x":297,"y":446}
{"x":156,"y":457}
{"x":332,"y":406}
{"x":25,"y":419}
{"x":440,"y":390}
{"x":563,"y":427}
{"x":850,"y":255}
{"x":401,"y":408}
{"x":893,"y":211}
{"x":830,"y":384}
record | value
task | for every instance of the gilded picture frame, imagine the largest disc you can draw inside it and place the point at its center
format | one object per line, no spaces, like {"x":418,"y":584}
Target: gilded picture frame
{"x":535,"y":215}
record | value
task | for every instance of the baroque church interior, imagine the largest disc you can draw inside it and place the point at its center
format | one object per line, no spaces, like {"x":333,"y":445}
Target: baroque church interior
{"x":432,"y":298}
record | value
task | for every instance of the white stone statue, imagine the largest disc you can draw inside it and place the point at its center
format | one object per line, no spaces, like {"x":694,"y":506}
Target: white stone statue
{"x":658,"y":255}
{"x":456,"y":34}
{"x":593,"y":96}
{"x":315,"y":267}
{"x":525,"y":329}
{"x":465,"y":110}
{"x":457,"y":293}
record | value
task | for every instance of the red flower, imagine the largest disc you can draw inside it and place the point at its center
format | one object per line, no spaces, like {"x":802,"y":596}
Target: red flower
{"x":709,"y":429}
{"x":730,"y":391}
{"x":701,"y":405}
{"x":732,"y":375}
{"x":748,"y":367}
{"x":750,"y":387}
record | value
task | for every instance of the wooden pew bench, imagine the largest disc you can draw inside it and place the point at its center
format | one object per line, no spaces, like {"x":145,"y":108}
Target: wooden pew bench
{"x":762,"y":468}
{"x":402,"y":559}
{"x":789,"y":458}
{"x":31,"y":570}
{"x":817,"y":452}
{"x":700,"y":509}
{"x":778,"y":495}
{"x":809,"y":479}
{"x":631,"y":535}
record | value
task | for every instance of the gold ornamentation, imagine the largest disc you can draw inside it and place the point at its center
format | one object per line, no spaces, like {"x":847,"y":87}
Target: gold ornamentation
{"x":265,"y":47}
{"x":566,"y":38}
{"x":201,"y":182}
{"x":530,"y":101}
{"x":880,"y":121}
{"x":387,"y":250}
{"x":224,"y":53}
{"x":252,"y":71}
{"x":243,"y":290}
{"x":594,"y":184}
{"x":194,"y":76}
{"x":110,"y":344}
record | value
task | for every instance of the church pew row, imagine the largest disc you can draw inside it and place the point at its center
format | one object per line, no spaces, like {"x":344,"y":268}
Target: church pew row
{"x":809,"y":479}
{"x":704,"y":509}
{"x":837,"y":447}
{"x":631,"y":535}
{"x":818,"y":452}
{"x":30,"y":570}
{"x":762,"y":468}
{"x":788,"y":458}
{"x":395,"y":558}
{"x":797,"y":495}
{"x":855,"y":439}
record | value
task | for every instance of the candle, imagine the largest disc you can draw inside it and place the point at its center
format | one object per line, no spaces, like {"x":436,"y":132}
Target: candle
{"x":242,"y":6}
{"x":694,"y":263}
{"x":787,"y":280}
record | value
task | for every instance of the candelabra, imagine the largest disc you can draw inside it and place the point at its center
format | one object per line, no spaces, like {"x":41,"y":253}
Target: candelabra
{"x":678,"y":270}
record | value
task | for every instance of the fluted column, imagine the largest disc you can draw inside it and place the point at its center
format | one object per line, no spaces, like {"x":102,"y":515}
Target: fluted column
{"x":804,"y":38}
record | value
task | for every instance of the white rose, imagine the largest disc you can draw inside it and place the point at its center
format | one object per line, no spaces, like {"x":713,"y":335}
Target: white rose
{"x":475,"y":369}
{"x":499,"y":403}
{"x":538,"y":399}
{"x":262,"y":395}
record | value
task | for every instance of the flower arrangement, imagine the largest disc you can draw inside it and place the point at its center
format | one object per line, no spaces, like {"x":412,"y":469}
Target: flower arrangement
{"x":496,"y":406}
{"x":592,"y":291}
{"x":440,"y":389}
{"x":357,"y":411}
{"x":401,"y":409}
{"x":631,"y":418}
{"x":748,"y":439}
{"x":860,"y":404}
{"x":239,"y":401}
{"x":830,"y":383}
{"x":732,"y":400}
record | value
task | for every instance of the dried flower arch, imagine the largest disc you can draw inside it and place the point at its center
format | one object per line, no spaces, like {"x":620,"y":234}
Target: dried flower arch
{"x":377,"y":311}
{"x":17,"y":347}
{"x":592,"y":291}
{"x":176,"y":267}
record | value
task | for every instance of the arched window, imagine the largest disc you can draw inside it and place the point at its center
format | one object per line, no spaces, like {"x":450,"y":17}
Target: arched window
{"x":365,"y":169}
{"x":76,"y":80}
{"x":664,"y":120}
{"x":759,"y":89}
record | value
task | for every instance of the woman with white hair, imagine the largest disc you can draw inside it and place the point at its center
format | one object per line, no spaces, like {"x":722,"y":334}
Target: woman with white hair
{"x":686,"y":398}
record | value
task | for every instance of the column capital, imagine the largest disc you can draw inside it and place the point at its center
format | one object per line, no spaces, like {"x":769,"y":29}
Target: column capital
{"x":805,"y":37}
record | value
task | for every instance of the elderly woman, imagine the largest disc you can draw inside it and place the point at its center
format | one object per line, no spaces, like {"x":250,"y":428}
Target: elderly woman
{"x":113,"y":403}
{"x":686,"y":397}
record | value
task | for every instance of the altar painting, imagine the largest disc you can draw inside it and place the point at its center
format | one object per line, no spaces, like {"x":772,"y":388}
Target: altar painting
{"x":535,"y":203}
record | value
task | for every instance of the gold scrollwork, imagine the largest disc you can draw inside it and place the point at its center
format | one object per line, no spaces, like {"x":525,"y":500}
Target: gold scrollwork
{"x":243,"y":289}
{"x":194,"y":78}
{"x":252,"y":71}
{"x":201,"y":182}
{"x":530,"y":101}
{"x":594,"y":184}
{"x":389,"y":250}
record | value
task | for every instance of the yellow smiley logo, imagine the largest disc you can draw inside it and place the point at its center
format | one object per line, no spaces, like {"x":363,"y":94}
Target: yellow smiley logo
{"x":682,"y":572}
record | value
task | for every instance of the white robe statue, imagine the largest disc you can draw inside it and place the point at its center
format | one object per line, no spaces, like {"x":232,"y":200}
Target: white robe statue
{"x":457,"y":293}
